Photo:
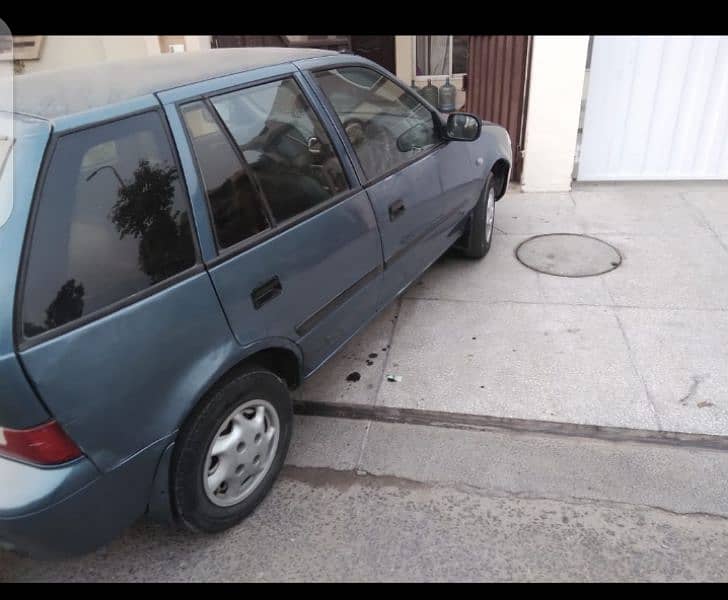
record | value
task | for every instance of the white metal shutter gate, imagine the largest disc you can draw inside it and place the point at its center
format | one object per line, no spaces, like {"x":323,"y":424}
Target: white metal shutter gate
{"x":656,"y":109}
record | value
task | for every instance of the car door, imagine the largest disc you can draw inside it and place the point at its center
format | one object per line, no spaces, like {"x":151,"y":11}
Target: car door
{"x":298,"y":252}
{"x":395,"y":139}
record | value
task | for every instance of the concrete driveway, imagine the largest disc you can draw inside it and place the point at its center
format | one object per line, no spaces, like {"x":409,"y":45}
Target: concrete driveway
{"x":643,"y":347}
{"x":479,"y":475}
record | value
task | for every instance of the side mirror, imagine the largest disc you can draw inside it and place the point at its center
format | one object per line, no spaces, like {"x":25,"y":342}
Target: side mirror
{"x":462,"y":127}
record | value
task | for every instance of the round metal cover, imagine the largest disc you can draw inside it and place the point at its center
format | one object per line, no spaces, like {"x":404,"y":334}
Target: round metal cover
{"x":568,"y":255}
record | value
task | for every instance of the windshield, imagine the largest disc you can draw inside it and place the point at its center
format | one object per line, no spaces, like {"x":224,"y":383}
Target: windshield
{"x":6,"y":194}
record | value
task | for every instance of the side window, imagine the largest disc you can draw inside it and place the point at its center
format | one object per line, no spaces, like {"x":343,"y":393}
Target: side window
{"x":386,"y":125}
{"x":236,"y":211}
{"x":112,"y":221}
{"x":285,"y":145}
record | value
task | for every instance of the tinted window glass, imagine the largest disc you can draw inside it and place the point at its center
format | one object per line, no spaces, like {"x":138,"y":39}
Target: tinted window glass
{"x":236,"y":212}
{"x":285,"y":145}
{"x":387,"y":126}
{"x":112,"y":221}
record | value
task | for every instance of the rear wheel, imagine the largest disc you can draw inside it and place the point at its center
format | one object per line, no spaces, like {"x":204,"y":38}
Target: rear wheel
{"x":482,"y":222}
{"x":230,"y":450}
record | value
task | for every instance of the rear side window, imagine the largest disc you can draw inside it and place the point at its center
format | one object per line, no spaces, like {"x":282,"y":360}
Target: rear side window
{"x":236,"y":213}
{"x":112,"y":221}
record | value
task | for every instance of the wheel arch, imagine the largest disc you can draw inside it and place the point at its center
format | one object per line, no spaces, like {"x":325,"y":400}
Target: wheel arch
{"x":501,"y":169}
{"x":280,"y":355}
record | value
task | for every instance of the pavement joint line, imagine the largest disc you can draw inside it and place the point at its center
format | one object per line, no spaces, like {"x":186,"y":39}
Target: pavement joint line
{"x":575,"y":304}
{"x":385,"y":364}
{"x":699,"y":213}
{"x":636,"y":370}
{"x":362,"y":447}
{"x":382,"y":376}
{"x":488,"y":423}
{"x":632,"y":360}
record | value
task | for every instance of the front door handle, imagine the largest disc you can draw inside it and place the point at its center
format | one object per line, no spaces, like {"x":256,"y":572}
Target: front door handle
{"x":396,"y":209}
{"x":266,"y":292}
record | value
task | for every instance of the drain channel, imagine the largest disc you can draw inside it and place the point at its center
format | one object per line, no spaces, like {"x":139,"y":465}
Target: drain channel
{"x":471,"y":422}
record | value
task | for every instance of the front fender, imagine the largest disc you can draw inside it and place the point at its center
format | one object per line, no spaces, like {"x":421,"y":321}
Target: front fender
{"x":496,"y":146}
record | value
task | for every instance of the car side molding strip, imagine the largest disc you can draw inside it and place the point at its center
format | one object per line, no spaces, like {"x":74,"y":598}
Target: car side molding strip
{"x":307,"y":325}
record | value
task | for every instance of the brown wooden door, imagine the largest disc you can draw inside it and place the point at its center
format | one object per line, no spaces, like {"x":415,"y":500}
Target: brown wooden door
{"x":379,"y":48}
{"x":497,"y":85}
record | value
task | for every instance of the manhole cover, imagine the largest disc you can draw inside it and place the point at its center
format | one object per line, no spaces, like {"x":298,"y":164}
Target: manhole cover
{"x":568,"y":255}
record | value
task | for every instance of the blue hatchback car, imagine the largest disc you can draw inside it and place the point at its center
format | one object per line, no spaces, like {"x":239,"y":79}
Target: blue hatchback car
{"x":183,"y":240}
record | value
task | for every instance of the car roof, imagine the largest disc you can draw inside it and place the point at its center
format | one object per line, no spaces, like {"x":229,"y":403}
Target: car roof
{"x":71,"y":90}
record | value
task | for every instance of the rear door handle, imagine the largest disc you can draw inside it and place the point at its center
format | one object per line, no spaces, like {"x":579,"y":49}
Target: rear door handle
{"x":396,"y":209}
{"x":266,"y":292}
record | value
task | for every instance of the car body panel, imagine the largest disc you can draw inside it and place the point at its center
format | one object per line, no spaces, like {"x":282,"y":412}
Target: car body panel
{"x":342,"y":239}
{"x":76,"y":521}
{"x":122,"y":383}
{"x":165,"y":349}
{"x":42,"y":487}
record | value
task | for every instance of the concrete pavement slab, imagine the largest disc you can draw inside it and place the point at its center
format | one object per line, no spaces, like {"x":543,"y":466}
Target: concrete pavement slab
{"x":326,"y":442}
{"x":531,"y":214}
{"x":547,"y":362}
{"x":646,"y":211}
{"x":497,"y":277}
{"x":669,"y":272}
{"x":682,"y":356}
{"x":501,"y":277}
{"x":503,"y":463}
{"x":444,"y":505}
{"x":339,"y":527}
{"x":712,"y":205}
{"x":574,"y":290}
{"x":529,"y":364}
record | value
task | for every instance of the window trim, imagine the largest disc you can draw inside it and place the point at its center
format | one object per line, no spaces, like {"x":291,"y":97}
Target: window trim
{"x":259,"y":238}
{"x":275,"y":227}
{"x":262,"y":199}
{"x":365,"y":181}
{"x":23,"y":343}
{"x":259,"y":200}
{"x":449,"y":74}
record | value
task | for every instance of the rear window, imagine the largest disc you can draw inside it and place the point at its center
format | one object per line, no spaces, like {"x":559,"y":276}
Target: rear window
{"x":6,"y":195}
{"x":112,"y":221}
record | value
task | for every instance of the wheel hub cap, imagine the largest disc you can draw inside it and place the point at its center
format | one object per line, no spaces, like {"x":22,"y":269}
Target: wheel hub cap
{"x":489,"y":214}
{"x":241,"y":453}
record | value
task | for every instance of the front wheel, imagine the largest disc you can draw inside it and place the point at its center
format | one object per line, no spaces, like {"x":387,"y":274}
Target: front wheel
{"x":230,"y":450}
{"x":482,"y":222}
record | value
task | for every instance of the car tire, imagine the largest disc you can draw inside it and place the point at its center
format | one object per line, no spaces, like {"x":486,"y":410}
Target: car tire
{"x":230,"y":450}
{"x":482,"y":223}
